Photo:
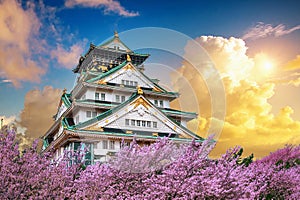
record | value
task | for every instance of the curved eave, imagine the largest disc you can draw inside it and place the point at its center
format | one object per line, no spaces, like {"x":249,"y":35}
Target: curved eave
{"x":93,"y":104}
{"x":172,"y":95}
{"x":57,"y":122}
{"x":185,"y":115}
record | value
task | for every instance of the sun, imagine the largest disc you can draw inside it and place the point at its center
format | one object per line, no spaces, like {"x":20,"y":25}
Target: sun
{"x":264,"y":65}
{"x":268,"y":66}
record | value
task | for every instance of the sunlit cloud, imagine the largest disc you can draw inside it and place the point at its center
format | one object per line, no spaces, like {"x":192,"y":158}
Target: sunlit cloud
{"x":67,"y":58}
{"x":249,"y":120}
{"x":109,"y":6}
{"x":7,"y":120}
{"x":39,"y":108}
{"x":261,"y":30}
{"x":293,"y":64}
{"x":295,"y":82}
{"x":289,"y":79}
{"x":18,"y":28}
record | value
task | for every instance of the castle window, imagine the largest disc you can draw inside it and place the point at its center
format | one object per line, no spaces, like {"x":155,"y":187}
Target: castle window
{"x":161,"y":103}
{"x":123,"y":82}
{"x":148,"y":124}
{"x":94,"y":114}
{"x":102,"y":96}
{"x":88,"y":114}
{"x":117,"y":98}
{"x":127,"y":122}
{"x":122,"y":98}
{"x":135,"y":83}
{"x":143,"y":123}
{"x":104,"y":144}
{"x":154,"y":124}
{"x":138,"y":122}
{"x":112,"y":145}
{"x":132,"y":122}
{"x":96,"y":96}
{"x":156,"y":102}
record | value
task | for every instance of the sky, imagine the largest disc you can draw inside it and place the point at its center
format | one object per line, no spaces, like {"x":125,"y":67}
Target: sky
{"x":254,"y":46}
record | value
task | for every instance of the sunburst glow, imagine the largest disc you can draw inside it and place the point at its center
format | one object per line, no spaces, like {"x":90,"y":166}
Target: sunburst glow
{"x":268,"y":66}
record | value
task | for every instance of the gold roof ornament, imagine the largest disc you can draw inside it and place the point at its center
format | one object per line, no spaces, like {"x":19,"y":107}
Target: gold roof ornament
{"x":64,"y":91}
{"x":155,"y":134}
{"x":102,"y":82}
{"x":128,"y":58}
{"x":103,"y":68}
{"x":139,"y":90}
{"x":116,"y":34}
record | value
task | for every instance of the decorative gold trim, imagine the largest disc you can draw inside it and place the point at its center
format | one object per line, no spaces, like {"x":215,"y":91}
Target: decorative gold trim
{"x":139,"y":90}
{"x":156,"y":89}
{"x":103,"y":68}
{"x":140,"y":101}
{"x":155,"y":134}
{"x":101,"y":82}
{"x":129,"y":66}
{"x":128,"y":58}
{"x":94,"y":128}
{"x":128,"y":132}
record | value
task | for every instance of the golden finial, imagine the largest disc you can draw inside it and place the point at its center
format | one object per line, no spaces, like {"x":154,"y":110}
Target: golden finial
{"x":116,"y":34}
{"x":139,"y":90}
{"x":65,"y":91}
{"x":128,"y":58}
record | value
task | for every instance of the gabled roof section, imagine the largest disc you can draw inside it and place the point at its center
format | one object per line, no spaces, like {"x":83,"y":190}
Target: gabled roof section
{"x":103,"y":75}
{"x":64,"y":103}
{"x":109,"y":75}
{"x":136,"y":101}
{"x":115,"y":43}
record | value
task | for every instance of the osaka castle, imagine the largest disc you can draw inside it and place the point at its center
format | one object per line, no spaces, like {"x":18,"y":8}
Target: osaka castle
{"x":112,"y":103}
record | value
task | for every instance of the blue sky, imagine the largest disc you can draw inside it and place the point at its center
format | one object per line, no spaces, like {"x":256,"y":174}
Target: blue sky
{"x":42,"y":41}
{"x":193,"y":18}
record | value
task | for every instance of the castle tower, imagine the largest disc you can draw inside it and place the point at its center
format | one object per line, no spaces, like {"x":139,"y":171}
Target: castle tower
{"x":114,"y":101}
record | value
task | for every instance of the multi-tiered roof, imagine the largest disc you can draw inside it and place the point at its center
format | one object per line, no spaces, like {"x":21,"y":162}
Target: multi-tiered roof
{"x":112,"y":101}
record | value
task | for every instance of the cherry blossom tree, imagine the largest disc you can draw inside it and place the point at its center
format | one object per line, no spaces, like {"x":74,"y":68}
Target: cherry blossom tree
{"x":163,"y":170}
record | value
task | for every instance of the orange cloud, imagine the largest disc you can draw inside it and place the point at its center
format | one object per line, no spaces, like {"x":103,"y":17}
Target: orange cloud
{"x":18,"y":26}
{"x":67,"y":59}
{"x":295,"y":82}
{"x":39,"y":108}
{"x":293,"y":64}
{"x":249,"y":120}
{"x":108,"y":5}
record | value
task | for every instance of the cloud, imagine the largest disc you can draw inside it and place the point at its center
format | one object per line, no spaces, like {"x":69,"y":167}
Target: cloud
{"x":289,"y":79}
{"x":261,"y":30}
{"x":249,"y":120}
{"x":67,"y":58}
{"x":110,"y":6}
{"x":293,"y":64}
{"x":7,"y":120}
{"x":39,"y":107}
{"x":18,"y":28}
{"x":295,"y":82}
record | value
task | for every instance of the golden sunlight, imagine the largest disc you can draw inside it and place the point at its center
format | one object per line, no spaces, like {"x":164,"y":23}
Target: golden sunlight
{"x":264,"y":66}
{"x":268,"y":66}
